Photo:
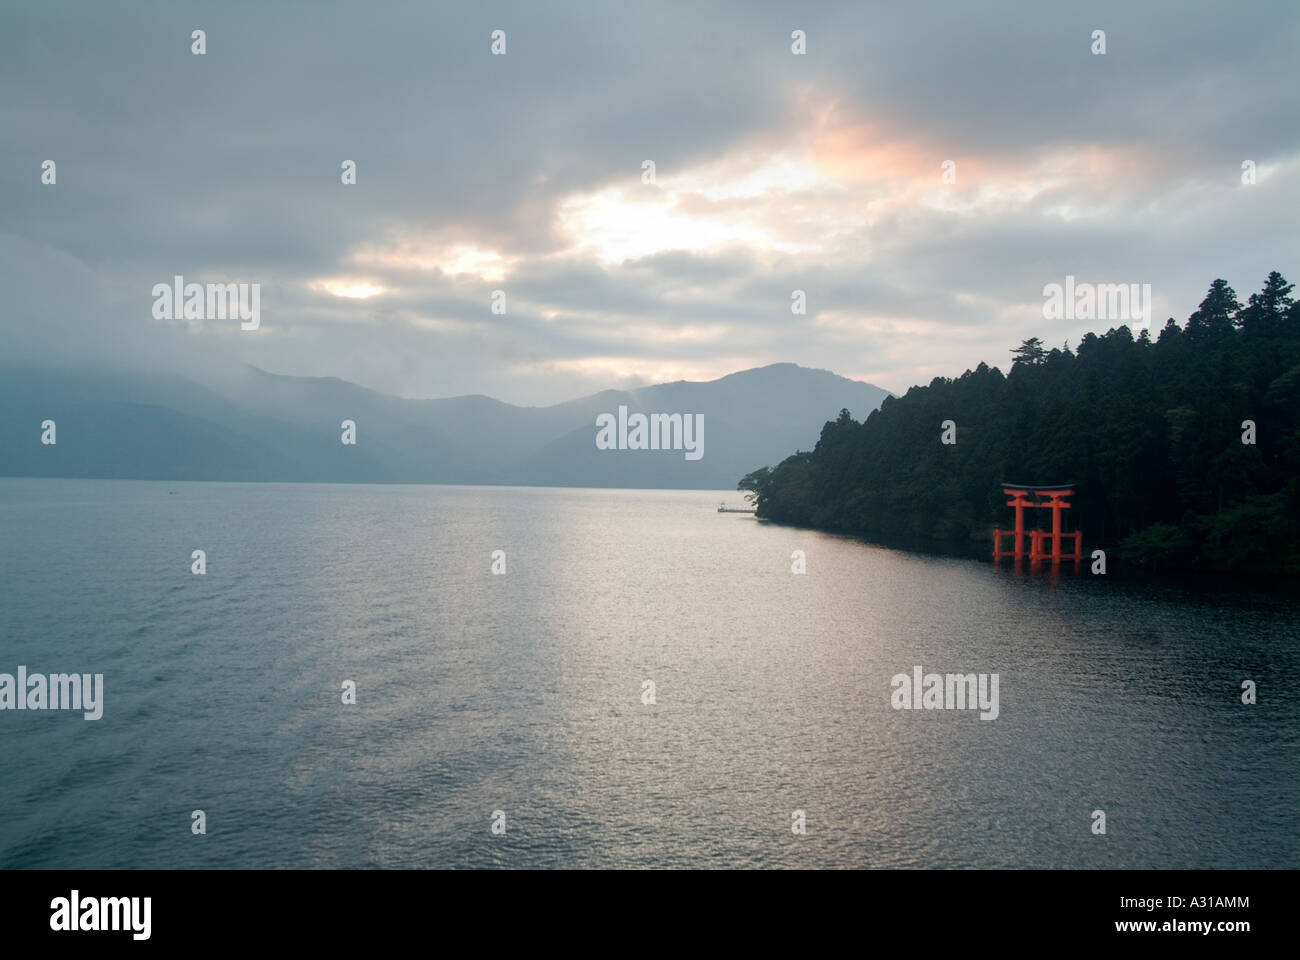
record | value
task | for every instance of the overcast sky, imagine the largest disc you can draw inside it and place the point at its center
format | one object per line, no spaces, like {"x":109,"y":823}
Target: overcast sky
{"x":523,"y":173}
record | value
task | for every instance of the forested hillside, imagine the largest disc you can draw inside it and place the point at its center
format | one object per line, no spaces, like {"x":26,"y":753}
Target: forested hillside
{"x":1150,"y":430}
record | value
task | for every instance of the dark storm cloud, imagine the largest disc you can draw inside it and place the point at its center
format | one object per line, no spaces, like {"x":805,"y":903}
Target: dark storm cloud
{"x":522,"y":173}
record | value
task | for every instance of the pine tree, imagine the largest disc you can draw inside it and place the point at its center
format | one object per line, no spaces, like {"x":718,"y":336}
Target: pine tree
{"x":1214,"y":319}
{"x":1030,"y":352}
{"x":1268,"y":312}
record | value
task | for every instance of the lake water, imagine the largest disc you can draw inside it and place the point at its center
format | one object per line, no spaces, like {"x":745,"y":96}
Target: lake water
{"x":523,"y":692}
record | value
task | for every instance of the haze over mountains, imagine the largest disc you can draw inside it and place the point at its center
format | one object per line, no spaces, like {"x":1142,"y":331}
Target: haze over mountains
{"x":249,"y":425}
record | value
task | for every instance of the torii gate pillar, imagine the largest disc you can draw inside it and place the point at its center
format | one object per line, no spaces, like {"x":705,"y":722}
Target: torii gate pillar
{"x":1055,"y":497}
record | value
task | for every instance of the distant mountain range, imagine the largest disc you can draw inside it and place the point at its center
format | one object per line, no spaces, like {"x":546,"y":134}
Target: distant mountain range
{"x":258,"y":426}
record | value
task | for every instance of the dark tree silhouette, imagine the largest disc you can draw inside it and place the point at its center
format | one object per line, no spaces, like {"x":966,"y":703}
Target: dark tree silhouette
{"x":1031,"y":352}
{"x":1213,"y":319}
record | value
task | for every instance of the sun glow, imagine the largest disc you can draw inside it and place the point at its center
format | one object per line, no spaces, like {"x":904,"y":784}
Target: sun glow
{"x":695,"y":212}
{"x":453,"y":260}
{"x":348,"y":288}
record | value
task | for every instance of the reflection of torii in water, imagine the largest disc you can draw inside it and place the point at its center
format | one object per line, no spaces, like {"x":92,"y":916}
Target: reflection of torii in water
{"x":1055,"y":497}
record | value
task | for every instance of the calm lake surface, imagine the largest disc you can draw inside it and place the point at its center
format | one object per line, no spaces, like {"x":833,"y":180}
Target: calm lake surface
{"x":522,"y":692}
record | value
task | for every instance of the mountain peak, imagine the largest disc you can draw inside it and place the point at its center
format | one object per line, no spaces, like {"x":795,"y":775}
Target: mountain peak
{"x":265,"y":426}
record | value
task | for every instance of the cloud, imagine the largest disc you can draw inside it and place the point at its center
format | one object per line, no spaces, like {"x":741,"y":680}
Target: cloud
{"x":523,"y":173}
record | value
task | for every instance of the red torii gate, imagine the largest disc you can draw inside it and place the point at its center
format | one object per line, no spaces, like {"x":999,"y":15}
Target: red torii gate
{"x":1054,"y":497}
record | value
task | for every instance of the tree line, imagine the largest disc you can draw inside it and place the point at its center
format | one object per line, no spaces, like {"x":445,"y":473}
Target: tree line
{"x":1185,"y":448}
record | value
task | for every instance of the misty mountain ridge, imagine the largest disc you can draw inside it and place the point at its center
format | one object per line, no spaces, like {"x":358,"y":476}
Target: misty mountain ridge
{"x":250,"y":425}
